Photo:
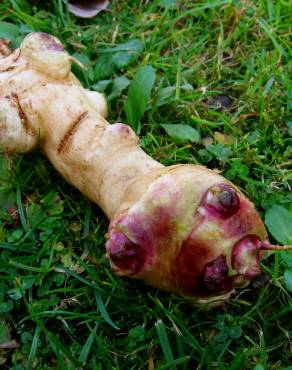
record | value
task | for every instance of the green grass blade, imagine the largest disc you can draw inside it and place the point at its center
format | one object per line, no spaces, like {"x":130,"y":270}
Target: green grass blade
{"x":33,"y":349}
{"x":103,"y":311}
{"x":87,"y":346}
{"x":20,"y":210}
{"x":164,"y":342}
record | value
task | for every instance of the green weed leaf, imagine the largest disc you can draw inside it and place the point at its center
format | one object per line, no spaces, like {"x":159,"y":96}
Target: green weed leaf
{"x":182,"y":133}
{"x":279,"y":223}
{"x":235,"y":332}
{"x":139,"y":95}
{"x":9,"y":31}
{"x":288,"y":279}
{"x":220,"y":151}
{"x":168,"y":3}
{"x":6,"y":306}
{"x":118,"y":57}
{"x":119,"y":84}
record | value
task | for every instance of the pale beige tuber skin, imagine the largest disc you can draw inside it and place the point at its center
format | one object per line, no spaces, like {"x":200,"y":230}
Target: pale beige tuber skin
{"x":182,"y":228}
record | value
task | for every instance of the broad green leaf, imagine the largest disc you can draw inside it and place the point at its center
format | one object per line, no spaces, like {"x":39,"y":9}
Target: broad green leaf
{"x":288,"y":279}
{"x":133,"y":46}
{"x":118,"y":57}
{"x":4,"y":170}
{"x":221,"y":337}
{"x":52,"y":204}
{"x":101,"y":85}
{"x":279,"y":223}
{"x":35,"y":214}
{"x":220,"y":151}
{"x":259,"y":367}
{"x":7,"y":195}
{"x":237,"y":169}
{"x":164,"y":96}
{"x":119,"y":84}
{"x":85,"y":61}
{"x":15,"y":236}
{"x":4,"y":332}
{"x":104,"y":66}
{"x":235,"y":332}
{"x":139,"y":95}
{"x":9,"y":31}
{"x":6,"y":306}
{"x":287,"y":258}
{"x":15,"y":294}
{"x":182,"y":133}
{"x":121,"y":59}
{"x":127,"y":53}
{"x":7,"y":199}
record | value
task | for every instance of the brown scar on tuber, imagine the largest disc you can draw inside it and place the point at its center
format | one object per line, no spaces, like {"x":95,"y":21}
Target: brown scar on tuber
{"x":65,"y":141}
{"x":22,"y":115}
{"x":182,"y":228}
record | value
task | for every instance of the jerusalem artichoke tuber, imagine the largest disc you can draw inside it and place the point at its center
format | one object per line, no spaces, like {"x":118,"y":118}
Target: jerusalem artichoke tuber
{"x":181,"y":228}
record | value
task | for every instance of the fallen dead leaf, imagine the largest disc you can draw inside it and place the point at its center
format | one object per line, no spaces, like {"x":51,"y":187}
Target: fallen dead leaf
{"x":207,"y":141}
{"x":223,"y":139}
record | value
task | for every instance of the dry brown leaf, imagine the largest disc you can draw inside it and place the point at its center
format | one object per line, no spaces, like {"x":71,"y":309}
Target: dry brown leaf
{"x":223,"y":139}
{"x":207,"y":141}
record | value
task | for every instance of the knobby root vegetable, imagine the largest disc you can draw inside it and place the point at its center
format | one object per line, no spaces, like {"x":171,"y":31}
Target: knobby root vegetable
{"x":181,"y":228}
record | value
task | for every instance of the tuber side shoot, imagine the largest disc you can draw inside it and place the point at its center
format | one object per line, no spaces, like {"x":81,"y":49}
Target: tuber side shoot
{"x":181,"y":228}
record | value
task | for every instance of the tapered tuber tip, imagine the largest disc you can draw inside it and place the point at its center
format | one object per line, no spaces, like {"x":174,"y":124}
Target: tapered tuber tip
{"x":270,"y":247}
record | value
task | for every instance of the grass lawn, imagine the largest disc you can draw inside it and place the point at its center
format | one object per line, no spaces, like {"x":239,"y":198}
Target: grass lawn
{"x":223,"y":69}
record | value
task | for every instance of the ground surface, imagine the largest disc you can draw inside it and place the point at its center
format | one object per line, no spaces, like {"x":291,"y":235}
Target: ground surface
{"x":219,"y":67}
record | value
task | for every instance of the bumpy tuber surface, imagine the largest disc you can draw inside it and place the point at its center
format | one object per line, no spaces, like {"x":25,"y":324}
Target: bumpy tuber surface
{"x":181,"y":228}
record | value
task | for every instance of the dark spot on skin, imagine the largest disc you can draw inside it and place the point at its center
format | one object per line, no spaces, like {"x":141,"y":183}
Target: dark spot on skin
{"x":50,"y":42}
{"x":65,"y":141}
{"x":126,"y":256}
{"x":215,"y":276}
{"x":55,"y":47}
{"x":221,"y":200}
{"x":122,"y":129}
{"x":45,"y":36}
{"x":126,"y":132}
